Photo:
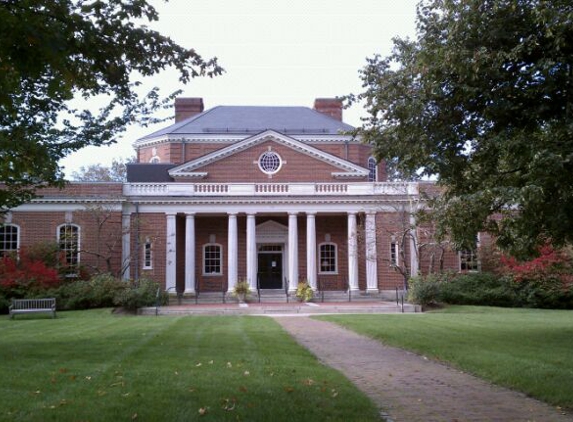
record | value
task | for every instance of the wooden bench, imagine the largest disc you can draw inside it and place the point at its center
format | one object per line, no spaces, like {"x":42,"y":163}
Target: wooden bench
{"x":30,"y":306}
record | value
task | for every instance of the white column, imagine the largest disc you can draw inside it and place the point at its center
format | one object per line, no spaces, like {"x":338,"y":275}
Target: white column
{"x":414,"y":262}
{"x":352,"y":252}
{"x":171,"y":257}
{"x":190,"y":253}
{"x":232,"y":252}
{"x":251,"y":251}
{"x":126,"y":245}
{"x":292,"y":251}
{"x":311,"y":249}
{"x":371,"y":255}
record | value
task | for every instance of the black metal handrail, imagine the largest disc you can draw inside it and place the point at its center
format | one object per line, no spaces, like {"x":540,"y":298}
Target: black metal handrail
{"x":197,"y":291}
{"x":259,"y":288}
{"x":223,"y":290}
{"x":400,"y":299}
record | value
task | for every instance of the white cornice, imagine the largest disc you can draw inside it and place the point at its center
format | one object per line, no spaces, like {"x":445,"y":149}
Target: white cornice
{"x":229,"y":139}
{"x":350,"y":169}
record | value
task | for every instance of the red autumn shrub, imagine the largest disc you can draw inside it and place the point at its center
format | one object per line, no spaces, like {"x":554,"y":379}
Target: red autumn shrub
{"x":550,"y":264}
{"x":22,"y":274}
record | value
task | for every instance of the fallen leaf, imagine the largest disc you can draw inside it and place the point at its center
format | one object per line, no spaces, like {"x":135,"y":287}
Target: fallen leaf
{"x":210,"y":362}
{"x":243,"y":388}
{"x":289,"y":389}
{"x":229,"y":365}
{"x":246,"y":373}
{"x":199,"y":364}
{"x":309,"y":381}
{"x":176,"y":373}
{"x":134,"y":416}
{"x":88,"y":378}
{"x":334,"y":393}
{"x":192,"y":390}
{"x":63,"y":370}
{"x":203,"y":411}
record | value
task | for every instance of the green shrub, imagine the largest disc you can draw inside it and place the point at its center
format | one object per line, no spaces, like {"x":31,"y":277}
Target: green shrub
{"x":98,"y":292}
{"x":426,"y":290}
{"x":137,"y":295}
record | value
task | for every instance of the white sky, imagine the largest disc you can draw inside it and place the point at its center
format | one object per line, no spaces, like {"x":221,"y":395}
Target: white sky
{"x":275,"y":52}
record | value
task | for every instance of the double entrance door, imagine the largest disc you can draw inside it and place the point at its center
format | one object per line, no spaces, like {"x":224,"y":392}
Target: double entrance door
{"x":270,"y":267}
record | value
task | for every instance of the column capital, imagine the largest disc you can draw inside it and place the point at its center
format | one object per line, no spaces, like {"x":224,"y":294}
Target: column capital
{"x":311,"y":213}
{"x":170,"y":213}
{"x":189,"y":214}
{"x":293,"y":213}
{"x":232,"y":213}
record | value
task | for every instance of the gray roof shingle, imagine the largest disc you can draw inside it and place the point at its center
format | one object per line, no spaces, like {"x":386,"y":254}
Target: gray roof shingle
{"x":255,"y":119}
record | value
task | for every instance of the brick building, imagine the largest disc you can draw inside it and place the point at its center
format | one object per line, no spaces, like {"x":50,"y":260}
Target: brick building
{"x":271,"y":195}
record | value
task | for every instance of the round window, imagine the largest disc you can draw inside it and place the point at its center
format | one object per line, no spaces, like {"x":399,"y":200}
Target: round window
{"x":270,"y":162}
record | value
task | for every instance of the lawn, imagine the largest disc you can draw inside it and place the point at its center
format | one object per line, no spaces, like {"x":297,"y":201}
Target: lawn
{"x":529,"y":350}
{"x":94,"y":366}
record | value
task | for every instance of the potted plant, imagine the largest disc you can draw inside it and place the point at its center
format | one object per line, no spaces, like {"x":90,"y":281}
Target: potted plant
{"x":241,"y":290}
{"x":304,"y":291}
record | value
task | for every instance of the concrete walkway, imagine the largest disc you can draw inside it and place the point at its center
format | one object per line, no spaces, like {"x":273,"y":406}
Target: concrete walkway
{"x":408,"y":387}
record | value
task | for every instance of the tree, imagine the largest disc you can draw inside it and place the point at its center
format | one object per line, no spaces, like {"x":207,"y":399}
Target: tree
{"x":117,"y":172}
{"x":55,"y":51}
{"x":482,"y":101}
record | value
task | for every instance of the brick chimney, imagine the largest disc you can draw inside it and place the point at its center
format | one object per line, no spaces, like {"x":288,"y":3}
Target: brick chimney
{"x":330,"y":106}
{"x":186,"y":107}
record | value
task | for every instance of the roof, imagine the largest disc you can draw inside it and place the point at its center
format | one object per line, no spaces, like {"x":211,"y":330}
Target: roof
{"x":255,"y":119}
{"x":148,"y":173}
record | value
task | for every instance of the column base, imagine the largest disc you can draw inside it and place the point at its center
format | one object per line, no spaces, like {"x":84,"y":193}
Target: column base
{"x":372,"y":291}
{"x":189,"y":292}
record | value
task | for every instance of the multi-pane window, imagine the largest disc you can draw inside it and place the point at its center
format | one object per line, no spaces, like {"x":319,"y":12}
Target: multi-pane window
{"x":69,"y":241}
{"x":468,"y":260}
{"x":394,"y":253}
{"x":327,"y":256}
{"x":147,"y":255}
{"x":9,"y":239}
{"x":212,"y":259}
{"x":372,"y":169}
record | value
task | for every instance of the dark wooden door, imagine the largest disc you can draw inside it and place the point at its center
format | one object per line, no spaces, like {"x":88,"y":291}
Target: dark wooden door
{"x":270,"y":270}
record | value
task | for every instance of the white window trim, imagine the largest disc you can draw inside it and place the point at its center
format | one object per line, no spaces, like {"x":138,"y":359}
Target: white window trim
{"x":79,"y":241}
{"x":145,"y":266}
{"x":270,"y":173}
{"x":220,"y":258}
{"x":335,"y":272}
{"x":17,"y":250}
{"x":370,"y":159}
{"x":475,"y":253}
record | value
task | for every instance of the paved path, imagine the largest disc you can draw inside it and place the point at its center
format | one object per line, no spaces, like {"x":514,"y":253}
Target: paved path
{"x":408,"y":387}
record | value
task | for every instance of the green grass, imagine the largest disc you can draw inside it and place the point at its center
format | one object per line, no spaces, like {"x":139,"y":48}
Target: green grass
{"x":93,"y":366}
{"x":529,"y":350}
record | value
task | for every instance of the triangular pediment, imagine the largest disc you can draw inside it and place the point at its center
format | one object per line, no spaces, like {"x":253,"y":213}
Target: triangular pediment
{"x":192,"y":169}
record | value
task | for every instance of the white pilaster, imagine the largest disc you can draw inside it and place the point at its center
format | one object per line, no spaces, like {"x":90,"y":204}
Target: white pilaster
{"x":171,"y":249}
{"x":371,"y":255}
{"x":414,"y":261}
{"x":232,"y":252}
{"x":352,"y":252}
{"x":126,"y":245}
{"x":251,"y":251}
{"x":311,"y":249}
{"x":190,"y":254}
{"x":292,"y":251}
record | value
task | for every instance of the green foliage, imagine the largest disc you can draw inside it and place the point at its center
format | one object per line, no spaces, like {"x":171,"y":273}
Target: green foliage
{"x":482,"y":100}
{"x":136,"y":295}
{"x":304,"y":291}
{"x":117,"y":172}
{"x":69,"y":50}
{"x":242,"y":288}
{"x":99,"y":292}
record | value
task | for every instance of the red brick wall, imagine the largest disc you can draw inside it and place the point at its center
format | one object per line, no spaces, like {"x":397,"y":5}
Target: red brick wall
{"x":152,"y":226}
{"x":243,"y":167}
{"x":97,"y":244}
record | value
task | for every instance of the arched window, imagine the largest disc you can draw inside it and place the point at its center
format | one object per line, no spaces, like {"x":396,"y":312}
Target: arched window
{"x":372,"y":170}
{"x":154,"y":160}
{"x":69,"y":241}
{"x":328,"y":258}
{"x":9,"y":239}
{"x":212,"y":259}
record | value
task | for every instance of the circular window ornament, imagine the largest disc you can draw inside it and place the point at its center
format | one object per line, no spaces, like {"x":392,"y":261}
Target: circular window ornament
{"x":270,"y":162}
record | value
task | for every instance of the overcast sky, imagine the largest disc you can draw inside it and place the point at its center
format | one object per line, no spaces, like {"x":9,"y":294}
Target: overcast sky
{"x":275,"y":52}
